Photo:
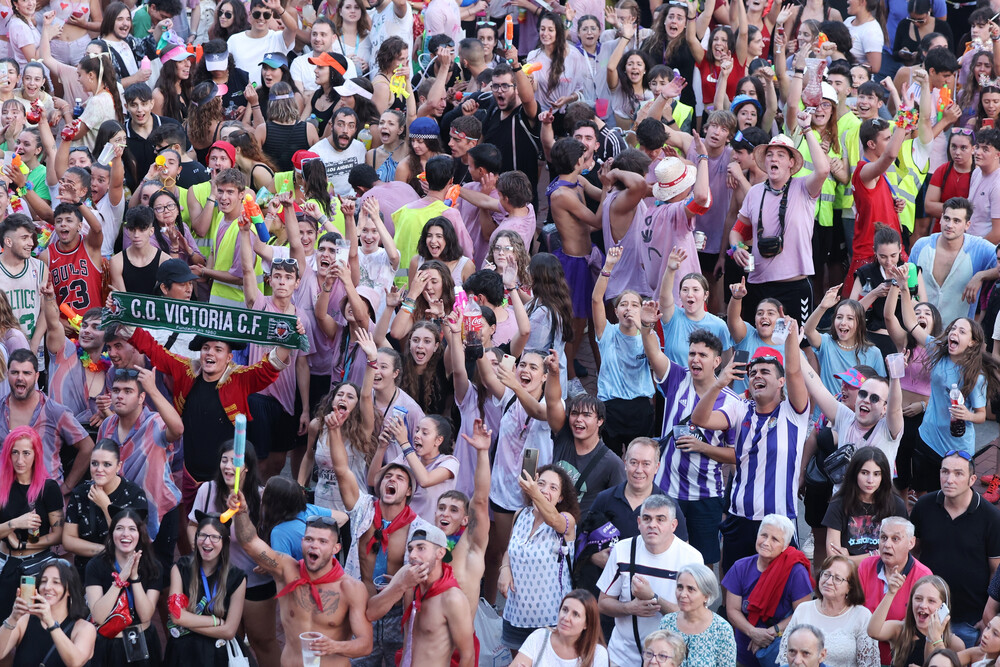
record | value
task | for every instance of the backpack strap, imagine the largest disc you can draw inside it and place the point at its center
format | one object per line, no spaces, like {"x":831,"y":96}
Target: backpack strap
{"x":631,"y":576}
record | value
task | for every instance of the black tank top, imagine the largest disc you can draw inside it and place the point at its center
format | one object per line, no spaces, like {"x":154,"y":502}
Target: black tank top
{"x":282,"y":142}
{"x":140,"y":279}
{"x":36,"y":644}
{"x":322,"y":116}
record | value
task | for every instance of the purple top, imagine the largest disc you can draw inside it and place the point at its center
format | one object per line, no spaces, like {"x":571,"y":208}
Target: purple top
{"x":713,"y":221}
{"x":666,"y":226}
{"x":637,"y":251}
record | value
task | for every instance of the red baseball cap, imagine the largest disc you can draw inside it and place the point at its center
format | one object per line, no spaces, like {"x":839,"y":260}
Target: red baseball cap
{"x":766,"y":353}
{"x":300,"y":156}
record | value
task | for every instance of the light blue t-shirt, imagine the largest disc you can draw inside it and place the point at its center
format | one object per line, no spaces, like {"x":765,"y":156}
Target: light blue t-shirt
{"x":287,"y":537}
{"x":624,"y":369}
{"x":936,"y":427}
{"x":833,"y":359}
{"x":680,"y":327}
{"x":751,"y":341}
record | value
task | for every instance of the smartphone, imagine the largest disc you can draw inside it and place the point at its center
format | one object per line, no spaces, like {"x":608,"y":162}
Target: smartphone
{"x":943,"y":611}
{"x":529,"y":462}
{"x":27,"y":587}
{"x":508,"y":362}
{"x":988,"y":123}
{"x":741,"y":357}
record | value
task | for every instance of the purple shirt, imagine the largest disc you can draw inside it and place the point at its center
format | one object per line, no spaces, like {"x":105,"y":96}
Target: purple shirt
{"x":146,"y":460}
{"x":740,"y":580}
{"x":283,"y":389}
{"x":54,"y":423}
{"x":984,"y":191}
{"x":666,"y":226}
{"x":796,"y":257}
{"x":523,"y":225}
{"x":68,"y":383}
{"x":391,"y":197}
{"x":713,"y":221}
{"x":637,"y":251}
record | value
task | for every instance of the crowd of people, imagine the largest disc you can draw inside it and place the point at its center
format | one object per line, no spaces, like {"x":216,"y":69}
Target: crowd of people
{"x":575,"y":315}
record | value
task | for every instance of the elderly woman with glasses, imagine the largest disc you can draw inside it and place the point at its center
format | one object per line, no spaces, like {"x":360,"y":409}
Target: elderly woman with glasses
{"x":708,"y":637}
{"x":665,"y":649}
{"x":839,"y":611}
{"x":762,"y":591}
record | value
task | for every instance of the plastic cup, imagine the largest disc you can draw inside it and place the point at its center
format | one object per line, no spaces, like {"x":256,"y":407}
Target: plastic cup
{"x":309,"y":657}
{"x":896,"y":364}
{"x":601,"y":107}
{"x":750,"y":264}
{"x":680,"y":430}
{"x":107,"y":154}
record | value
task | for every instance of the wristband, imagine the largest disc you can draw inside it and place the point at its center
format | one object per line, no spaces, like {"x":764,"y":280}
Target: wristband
{"x":211,"y":200}
{"x":409,"y":450}
{"x":516,"y":69}
{"x":800,"y":71}
{"x":733,"y":248}
{"x":373,"y":364}
{"x":55,"y":626}
{"x":696,"y":208}
{"x":702,"y":156}
{"x":606,"y":274}
{"x":119,"y":582}
{"x":7,"y":624}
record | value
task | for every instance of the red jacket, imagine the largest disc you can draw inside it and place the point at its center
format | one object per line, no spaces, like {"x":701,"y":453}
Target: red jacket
{"x":236,"y":384}
{"x":874,"y":589}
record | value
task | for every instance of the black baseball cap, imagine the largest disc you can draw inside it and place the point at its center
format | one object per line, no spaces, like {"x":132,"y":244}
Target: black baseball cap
{"x":174,"y":271}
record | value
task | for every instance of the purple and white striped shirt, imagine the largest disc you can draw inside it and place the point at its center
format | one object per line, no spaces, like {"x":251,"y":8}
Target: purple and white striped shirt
{"x":689,"y":475}
{"x":768,"y":451}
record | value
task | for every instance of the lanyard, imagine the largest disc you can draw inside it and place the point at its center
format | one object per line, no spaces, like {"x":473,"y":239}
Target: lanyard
{"x":128,"y":591}
{"x":204,"y":583}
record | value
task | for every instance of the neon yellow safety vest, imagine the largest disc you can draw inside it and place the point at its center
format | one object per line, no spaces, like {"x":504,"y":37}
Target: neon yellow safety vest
{"x":409,"y":224}
{"x":283,"y":182}
{"x":906,"y":178}
{"x":225,"y":256}
{"x":682,"y":114}
{"x":849,"y":127}
{"x":202,"y":191}
{"x":824,"y":205}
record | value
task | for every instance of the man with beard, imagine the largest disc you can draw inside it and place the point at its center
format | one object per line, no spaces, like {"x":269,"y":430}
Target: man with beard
{"x":379,"y":529}
{"x":341,"y":151}
{"x":776,"y":218}
{"x":21,"y":275}
{"x":146,"y":437}
{"x":54,"y":423}
{"x":437,"y":625}
{"x":511,"y":124}
{"x":770,"y":431}
{"x":75,"y":260}
{"x":690,"y":468}
{"x":316,"y":595}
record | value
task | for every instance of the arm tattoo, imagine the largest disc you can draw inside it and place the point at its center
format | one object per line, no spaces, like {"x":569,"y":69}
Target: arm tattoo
{"x":244,"y":528}
{"x":266,"y":560}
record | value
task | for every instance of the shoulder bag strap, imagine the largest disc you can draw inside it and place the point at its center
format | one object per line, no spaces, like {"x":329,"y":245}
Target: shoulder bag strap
{"x":631,"y":575}
{"x":545,"y":644}
{"x":598,"y":456}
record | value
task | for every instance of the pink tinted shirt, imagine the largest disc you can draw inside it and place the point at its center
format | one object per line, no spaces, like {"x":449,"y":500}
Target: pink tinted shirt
{"x":796,"y":257}
{"x":666,"y":226}
{"x":321,"y":348}
{"x":713,"y":222}
{"x":524,"y":225}
{"x":391,"y":197}
{"x":636,"y":252}
{"x":575,"y":78}
{"x":443,"y":17}
{"x":68,"y":383}
{"x":146,"y":460}
{"x":470,"y":215}
{"x":284,"y":388}
{"x":55,"y":425}
{"x":425,"y":499}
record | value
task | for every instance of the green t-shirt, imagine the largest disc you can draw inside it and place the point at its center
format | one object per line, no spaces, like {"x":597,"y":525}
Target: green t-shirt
{"x":37,"y":178}
{"x":141,"y":23}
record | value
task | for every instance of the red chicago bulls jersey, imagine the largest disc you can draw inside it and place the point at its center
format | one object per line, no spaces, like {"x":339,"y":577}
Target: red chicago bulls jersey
{"x":77,"y":281}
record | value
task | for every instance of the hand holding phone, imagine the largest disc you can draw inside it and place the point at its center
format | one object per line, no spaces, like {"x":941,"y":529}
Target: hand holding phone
{"x":529,"y":461}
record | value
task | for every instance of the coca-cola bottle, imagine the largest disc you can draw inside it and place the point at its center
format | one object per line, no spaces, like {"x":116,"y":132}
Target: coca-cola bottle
{"x":957,"y":425}
{"x":472,"y":325}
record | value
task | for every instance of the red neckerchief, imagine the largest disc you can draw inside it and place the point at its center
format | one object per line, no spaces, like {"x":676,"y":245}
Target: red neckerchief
{"x":333,"y":575}
{"x":380,"y":538}
{"x":446,"y":581}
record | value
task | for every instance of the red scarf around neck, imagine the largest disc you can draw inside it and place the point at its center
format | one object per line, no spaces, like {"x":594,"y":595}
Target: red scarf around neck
{"x":380,"y":538}
{"x":446,"y":581}
{"x":333,"y":575}
{"x":766,"y":594}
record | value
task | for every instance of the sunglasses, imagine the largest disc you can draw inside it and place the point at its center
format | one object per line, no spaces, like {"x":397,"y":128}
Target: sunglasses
{"x":480,"y":24}
{"x":959,"y":453}
{"x":226,"y":15}
{"x":461,"y":136}
{"x":319,"y":519}
{"x":126,"y":373}
{"x":261,"y":15}
{"x":79,"y":149}
{"x":962,"y":130}
{"x":160,"y":149}
{"x":874,"y":398}
{"x":290,"y":264}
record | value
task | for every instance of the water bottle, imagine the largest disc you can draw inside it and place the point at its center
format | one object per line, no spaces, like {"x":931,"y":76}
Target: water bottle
{"x":399,"y":412}
{"x":957,"y":425}
{"x":313,"y":119}
{"x":78,"y":108}
{"x":365,"y":137}
{"x":472,"y":325}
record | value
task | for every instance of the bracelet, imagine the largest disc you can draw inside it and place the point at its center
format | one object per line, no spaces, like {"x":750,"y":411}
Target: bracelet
{"x":119,"y":582}
{"x":55,"y":626}
{"x":215,"y":621}
{"x":702,"y":156}
{"x":254,"y":106}
{"x":940,"y":641}
{"x":373,"y":364}
{"x":505,"y":565}
{"x":923,"y":404}
{"x":643,"y":325}
{"x":799,"y":71}
{"x":777,"y":52}
{"x":323,"y":219}
{"x":211,"y":200}
{"x":409,"y":450}
{"x":606,"y":274}
{"x":7,"y":624}
{"x":516,"y":69}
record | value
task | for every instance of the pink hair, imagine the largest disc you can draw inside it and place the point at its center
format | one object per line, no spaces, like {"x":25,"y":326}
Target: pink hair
{"x":38,"y":474}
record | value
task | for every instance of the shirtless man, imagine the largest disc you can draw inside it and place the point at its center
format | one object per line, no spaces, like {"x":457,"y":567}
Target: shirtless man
{"x":379,"y":530}
{"x":575,"y":222}
{"x":469,"y":520}
{"x":440,"y":626}
{"x":315,"y":595}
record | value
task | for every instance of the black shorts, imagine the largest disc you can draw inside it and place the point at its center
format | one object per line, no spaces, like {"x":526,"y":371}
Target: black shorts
{"x":707,"y":260}
{"x":496,"y":509}
{"x":271,"y":429}
{"x":926,"y":467}
{"x":829,"y":246}
{"x":626,"y":419}
{"x":796,"y":298}
{"x":262,"y":592}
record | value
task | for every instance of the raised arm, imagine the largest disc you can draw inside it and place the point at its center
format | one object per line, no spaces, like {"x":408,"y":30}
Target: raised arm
{"x":479,"y":516}
{"x":562,"y":522}
{"x":826,"y":401}
{"x":677,"y":255}
{"x":795,"y":383}
{"x":734,"y":311}
{"x":273,"y":562}
{"x":555,"y":407}
{"x":250,"y":289}
{"x":349,"y":491}
{"x":830,"y":300}
{"x":892,"y":325}
{"x":703,"y":414}
{"x":901,"y":274}
{"x":601,"y":287}
{"x":696,"y":27}
{"x":658,"y":360}
{"x":173,"y":424}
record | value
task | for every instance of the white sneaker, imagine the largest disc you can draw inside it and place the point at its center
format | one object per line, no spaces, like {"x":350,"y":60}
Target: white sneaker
{"x":808,"y":547}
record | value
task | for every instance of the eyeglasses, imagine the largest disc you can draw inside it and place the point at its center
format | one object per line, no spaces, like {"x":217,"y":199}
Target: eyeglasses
{"x":319,"y":519}
{"x":226,"y":15}
{"x":502,"y":87}
{"x":126,"y":373}
{"x":503,"y":248}
{"x":863,"y":394}
{"x":208,"y":537}
{"x":959,"y":453}
{"x":827,"y":576}
{"x":879,"y":123}
{"x":967,"y":131}
{"x":658,"y":658}
{"x":261,"y":15}
{"x":166,"y":208}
